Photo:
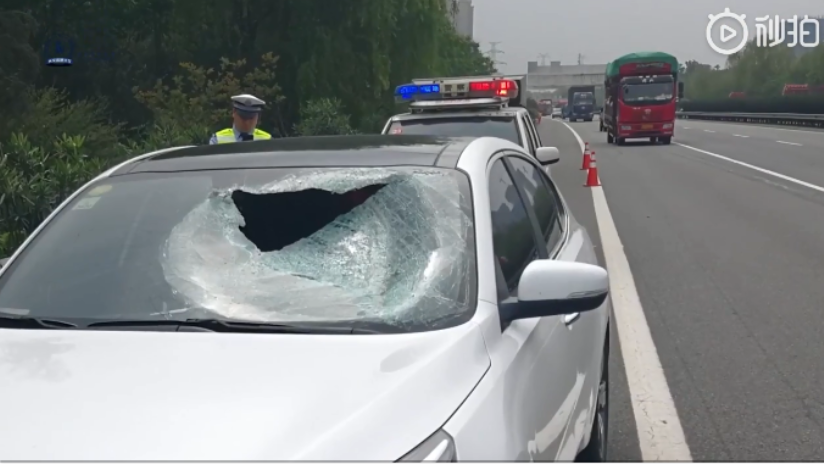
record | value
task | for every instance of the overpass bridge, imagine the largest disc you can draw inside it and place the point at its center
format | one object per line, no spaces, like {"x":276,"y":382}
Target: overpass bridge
{"x":558,"y":76}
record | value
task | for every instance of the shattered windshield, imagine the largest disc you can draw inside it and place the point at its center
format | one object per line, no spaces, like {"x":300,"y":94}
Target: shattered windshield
{"x":276,"y":245}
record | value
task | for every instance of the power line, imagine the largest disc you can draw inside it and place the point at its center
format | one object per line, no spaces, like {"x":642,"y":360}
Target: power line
{"x":543,"y":57}
{"x":493,"y":53}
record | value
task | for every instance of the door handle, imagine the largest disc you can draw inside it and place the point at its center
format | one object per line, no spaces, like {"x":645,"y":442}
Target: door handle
{"x":570,"y":318}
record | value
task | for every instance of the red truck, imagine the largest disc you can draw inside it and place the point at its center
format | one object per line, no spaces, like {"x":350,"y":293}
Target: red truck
{"x":641,"y":95}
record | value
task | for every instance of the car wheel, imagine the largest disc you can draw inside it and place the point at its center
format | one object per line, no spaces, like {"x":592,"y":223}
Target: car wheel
{"x":610,"y":138}
{"x":596,"y":450}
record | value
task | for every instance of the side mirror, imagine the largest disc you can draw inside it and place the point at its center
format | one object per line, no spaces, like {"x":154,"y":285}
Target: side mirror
{"x":553,"y":288}
{"x":547,"y":155}
{"x":680,"y":90}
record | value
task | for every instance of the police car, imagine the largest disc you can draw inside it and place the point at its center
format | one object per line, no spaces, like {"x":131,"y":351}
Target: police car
{"x":480,"y":106}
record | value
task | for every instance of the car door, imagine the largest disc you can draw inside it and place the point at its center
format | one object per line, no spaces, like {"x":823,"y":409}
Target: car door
{"x":541,"y":381}
{"x":582,"y":332}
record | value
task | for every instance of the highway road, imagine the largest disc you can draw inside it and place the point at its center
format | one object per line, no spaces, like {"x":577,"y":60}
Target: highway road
{"x":718,"y":253}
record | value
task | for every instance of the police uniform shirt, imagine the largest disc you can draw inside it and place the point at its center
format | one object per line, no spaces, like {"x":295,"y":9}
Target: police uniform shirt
{"x":238,"y":136}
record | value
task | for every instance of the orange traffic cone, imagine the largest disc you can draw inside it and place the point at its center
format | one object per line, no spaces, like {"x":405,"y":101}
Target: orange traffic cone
{"x":592,"y":174}
{"x":587,"y":157}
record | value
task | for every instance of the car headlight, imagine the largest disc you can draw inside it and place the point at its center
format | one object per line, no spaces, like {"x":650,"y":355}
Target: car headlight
{"x":439,"y":447}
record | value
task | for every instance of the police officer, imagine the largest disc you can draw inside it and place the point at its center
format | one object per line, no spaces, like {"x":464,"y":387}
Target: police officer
{"x":245,"y":116}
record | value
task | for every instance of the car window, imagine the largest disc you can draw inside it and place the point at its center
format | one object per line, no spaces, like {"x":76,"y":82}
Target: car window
{"x":512,"y":232}
{"x":534,"y":130}
{"x":530,"y":141}
{"x":470,"y":126}
{"x":540,"y":199}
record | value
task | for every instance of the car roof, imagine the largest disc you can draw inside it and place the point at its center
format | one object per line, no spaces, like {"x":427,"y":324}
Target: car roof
{"x":337,"y":151}
{"x":506,"y":112}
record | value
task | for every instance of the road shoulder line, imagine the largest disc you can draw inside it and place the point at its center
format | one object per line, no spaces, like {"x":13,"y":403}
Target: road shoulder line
{"x":660,"y":435}
{"x":793,"y":180}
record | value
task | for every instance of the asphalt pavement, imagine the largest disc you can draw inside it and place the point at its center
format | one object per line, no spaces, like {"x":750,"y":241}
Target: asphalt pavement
{"x":722,"y":231}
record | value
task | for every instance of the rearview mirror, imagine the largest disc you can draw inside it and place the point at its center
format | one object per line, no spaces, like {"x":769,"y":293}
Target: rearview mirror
{"x":680,"y":90}
{"x":552,"y":288}
{"x":547,"y":155}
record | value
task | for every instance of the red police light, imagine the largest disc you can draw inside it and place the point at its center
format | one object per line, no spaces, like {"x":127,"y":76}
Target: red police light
{"x":505,"y":88}
{"x":496,"y":88}
{"x":481,"y":86}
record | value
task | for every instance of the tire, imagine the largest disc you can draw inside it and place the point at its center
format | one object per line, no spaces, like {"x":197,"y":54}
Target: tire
{"x":666,"y":140}
{"x":588,"y":120}
{"x":619,"y":141}
{"x":653,"y":140}
{"x":596,"y":449}
{"x":610,"y":138}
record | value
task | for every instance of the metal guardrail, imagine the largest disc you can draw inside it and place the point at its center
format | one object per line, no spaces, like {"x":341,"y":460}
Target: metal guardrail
{"x":781,"y":119}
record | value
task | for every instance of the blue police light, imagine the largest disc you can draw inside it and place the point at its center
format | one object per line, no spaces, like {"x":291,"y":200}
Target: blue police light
{"x":407,"y":91}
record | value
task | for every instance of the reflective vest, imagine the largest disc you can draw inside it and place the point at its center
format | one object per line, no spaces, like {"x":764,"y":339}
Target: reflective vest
{"x":228,"y":135}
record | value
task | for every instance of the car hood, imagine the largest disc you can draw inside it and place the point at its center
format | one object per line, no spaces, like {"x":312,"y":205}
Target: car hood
{"x":93,"y":395}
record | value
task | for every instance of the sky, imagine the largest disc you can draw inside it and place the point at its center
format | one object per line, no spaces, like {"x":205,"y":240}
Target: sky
{"x":602,"y":30}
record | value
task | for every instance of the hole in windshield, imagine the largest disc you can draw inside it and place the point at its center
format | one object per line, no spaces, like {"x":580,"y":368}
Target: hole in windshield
{"x":272,"y":221}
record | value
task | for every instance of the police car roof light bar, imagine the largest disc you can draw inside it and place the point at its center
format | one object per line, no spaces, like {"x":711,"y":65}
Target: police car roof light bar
{"x":464,"y":92}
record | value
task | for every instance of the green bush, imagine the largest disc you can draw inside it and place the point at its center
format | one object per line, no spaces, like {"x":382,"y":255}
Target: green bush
{"x":323,"y":117}
{"x":789,"y":104}
{"x":34,"y":180}
{"x":197,"y":101}
{"x":51,"y":114}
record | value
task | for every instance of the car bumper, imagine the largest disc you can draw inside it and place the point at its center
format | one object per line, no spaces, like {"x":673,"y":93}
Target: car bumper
{"x":645,"y":130}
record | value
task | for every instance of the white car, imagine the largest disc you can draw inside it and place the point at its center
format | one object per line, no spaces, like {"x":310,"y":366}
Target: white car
{"x":366,"y":298}
{"x":557,"y":113}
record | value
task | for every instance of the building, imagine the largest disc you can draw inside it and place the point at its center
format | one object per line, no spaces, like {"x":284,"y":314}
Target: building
{"x":557,"y":75}
{"x":462,"y":15}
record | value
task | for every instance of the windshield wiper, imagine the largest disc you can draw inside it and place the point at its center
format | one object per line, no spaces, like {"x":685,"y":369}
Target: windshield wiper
{"x":26,"y":322}
{"x":226,"y":325}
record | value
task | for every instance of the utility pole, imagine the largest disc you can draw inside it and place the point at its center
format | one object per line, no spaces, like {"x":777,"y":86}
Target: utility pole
{"x":543,"y":57}
{"x":493,"y":53}
{"x":581,"y":58}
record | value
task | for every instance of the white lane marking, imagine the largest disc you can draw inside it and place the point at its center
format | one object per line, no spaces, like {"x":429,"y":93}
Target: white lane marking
{"x":711,"y":132}
{"x":742,"y":136}
{"x":660,"y":435}
{"x":789,"y":143}
{"x":687,"y":128}
{"x":756,"y":168}
{"x":763,"y":126}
